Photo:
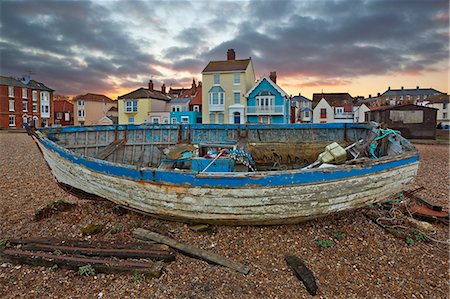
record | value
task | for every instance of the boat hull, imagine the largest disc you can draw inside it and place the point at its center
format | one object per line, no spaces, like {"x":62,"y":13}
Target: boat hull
{"x":265,"y":202}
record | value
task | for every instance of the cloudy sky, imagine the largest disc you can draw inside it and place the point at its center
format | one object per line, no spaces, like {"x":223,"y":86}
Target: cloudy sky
{"x":113,"y":47}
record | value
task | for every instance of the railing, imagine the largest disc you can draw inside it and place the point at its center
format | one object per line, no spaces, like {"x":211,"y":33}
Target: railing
{"x":344,"y":115}
{"x":277,"y":109}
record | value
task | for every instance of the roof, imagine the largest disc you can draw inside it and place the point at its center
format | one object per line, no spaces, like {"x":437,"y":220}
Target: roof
{"x":400,"y":107}
{"x":58,"y":97}
{"x":113,"y":108}
{"x":227,"y":65}
{"x":197,"y":100}
{"x":366,"y":100}
{"x":334,"y":99}
{"x":180,"y":101}
{"x":216,"y":89}
{"x":300,"y":98}
{"x":33,"y":84}
{"x":144,"y":93}
{"x":416,"y":91}
{"x":442,"y":98}
{"x":93,"y":97}
{"x":273,"y":84}
{"x":176,"y":91}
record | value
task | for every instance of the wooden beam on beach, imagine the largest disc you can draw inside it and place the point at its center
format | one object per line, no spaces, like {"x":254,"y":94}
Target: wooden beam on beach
{"x":190,"y":250}
{"x":110,"y":148}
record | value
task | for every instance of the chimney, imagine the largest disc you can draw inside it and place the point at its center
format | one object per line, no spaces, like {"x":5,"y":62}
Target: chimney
{"x":299,"y":94}
{"x":199,"y":83}
{"x":402,"y":87}
{"x":150,"y":85}
{"x":389,"y":88}
{"x":163,"y":88}
{"x":370,"y":95}
{"x":231,"y":55}
{"x":417,"y":87}
{"x":273,"y":77}
{"x":378,"y":94}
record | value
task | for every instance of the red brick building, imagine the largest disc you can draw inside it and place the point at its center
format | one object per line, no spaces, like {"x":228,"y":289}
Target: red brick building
{"x":63,"y":111}
{"x":25,"y":101}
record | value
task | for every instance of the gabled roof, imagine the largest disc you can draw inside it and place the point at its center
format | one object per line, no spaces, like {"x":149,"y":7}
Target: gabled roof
{"x":144,"y":93}
{"x":366,"y":100}
{"x":333,"y":99}
{"x":442,"y":98}
{"x":416,"y":91}
{"x":274,"y":85}
{"x":197,"y":100}
{"x":216,"y":89}
{"x":113,"y":108}
{"x":58,"y":97}
{"x":33,"y":84}
{"x":93,"y":97}
{"x":227,"y":65}
{"x":180,"y":101}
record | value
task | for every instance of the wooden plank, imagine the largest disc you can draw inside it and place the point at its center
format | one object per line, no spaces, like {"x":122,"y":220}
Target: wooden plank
{"x":191,"y":250}
{"x":110,"y":148}
{"x":71,"y":262}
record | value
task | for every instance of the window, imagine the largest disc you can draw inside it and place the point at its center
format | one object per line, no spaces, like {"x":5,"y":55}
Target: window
{"x":444,"y":105}
{"x":59,"y":115}
{"x":46,"y":109}
{"x":306,"y":113}
{"x":80,"y":103}
{"x":25,"y":106}
{"x":216,"y":79}
{"x":34,"y":94}
{"x":131,"y":120}
{"x":80,"y":113}
{"x":237,"y":97}
{"x":445,"y":115}
{"x":216,"y":98}
{"x":173,"y":120}
{"x":155,"y":120}
{"x":237,"y":79}
{"x":265,"y":103}
{"x":34,"y":107}
{"x":166,"y":120}
{"x":11,"y":105}
{"x":265,"y":119}
{"x":25,"y":120}
{"x":425,"y":96}
{"x":12,"y":121}
{"x":11,"y":91}
{"x":220,"y":118}
{"x":44,"y":96}
{"x":185,"y":119}
{"x":67,"y":116}
{"x":24,"y":93}
{"x":212,"y":118}
{"x":339,"y":110}
{"x":131,"y":106}
{"x":323,"y":113}
{"x":196,"y":108}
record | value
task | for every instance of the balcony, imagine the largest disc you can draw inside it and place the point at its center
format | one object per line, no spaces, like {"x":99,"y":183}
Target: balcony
{"x":345,"y":115}
{"x":265,"y":110}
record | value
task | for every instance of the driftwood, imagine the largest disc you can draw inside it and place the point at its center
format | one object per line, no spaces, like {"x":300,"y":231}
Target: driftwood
{"x":91,"y":244}
{"x":190,"y":250}
{"x":161,"y":255}
{"x":303,"y":273}
{"x":70,"y":262}
{"x":110,"y":148}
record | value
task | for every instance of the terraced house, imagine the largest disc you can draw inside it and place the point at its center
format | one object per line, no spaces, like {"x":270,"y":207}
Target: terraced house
{"x":267,"y":103}
{"x":186,"y":108}
{"x":145,"y":105}
{"x":93,"y":109}
{"x":25,"y":101}
{"x":225,"y":84}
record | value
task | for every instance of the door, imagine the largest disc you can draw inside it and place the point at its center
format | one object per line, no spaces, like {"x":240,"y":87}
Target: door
{"x":237,"y":117}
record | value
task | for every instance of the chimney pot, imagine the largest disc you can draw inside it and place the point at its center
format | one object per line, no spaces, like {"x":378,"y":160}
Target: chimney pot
{"x":273,"y":77}
{"x":370,"y":95}
{"x":378,"y":94}
{"x":417,"y":87}
{"x":389,"y":88}
{"x":150,"y":85}
{"x":402,"y":87}
{"x":231,"y":55}
{"x":163,"y":88}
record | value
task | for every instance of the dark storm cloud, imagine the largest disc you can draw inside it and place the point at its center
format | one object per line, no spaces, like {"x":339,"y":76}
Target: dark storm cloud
{"x":56,"y":32}
{"x":337,"y":40}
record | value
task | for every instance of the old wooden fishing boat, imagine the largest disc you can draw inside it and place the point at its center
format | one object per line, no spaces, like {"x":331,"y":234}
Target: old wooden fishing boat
{"x":230,"y":174}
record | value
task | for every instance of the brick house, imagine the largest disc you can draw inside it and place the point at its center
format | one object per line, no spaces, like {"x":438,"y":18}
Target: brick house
{"x":63,"y":111}
{"x":25,"y":101}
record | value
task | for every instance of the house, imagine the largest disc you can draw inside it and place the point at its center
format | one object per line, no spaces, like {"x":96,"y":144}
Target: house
{"x":186,"y":108}
{"x":90,"y":108}
{"x":440,"y":102}
{"x":402,"y":96}
{"x":63,"y":111}
{"x":267,"y":103}
{"x":224,"y":85}
{"x":25,"y":101}
{"x":332,"y":108}
{"x":360,"y":113}
{"x":145,"y":105}
{"x":413,"y":121}
{"x":301,"y":109}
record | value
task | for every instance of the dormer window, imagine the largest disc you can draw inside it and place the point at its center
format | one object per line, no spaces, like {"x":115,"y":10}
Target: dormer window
{"x":339,"y":110}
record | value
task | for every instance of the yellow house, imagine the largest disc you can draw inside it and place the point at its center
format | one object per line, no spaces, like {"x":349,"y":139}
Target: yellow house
{"x":136,"y":106}
{"x":225,"y":84}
